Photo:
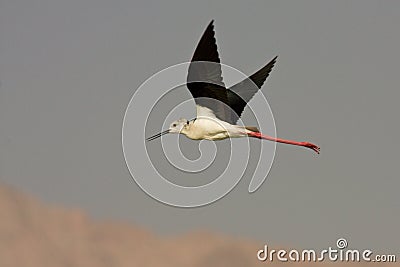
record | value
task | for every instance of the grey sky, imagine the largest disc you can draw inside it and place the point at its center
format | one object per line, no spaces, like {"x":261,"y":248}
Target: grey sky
{"x":69,"y":68}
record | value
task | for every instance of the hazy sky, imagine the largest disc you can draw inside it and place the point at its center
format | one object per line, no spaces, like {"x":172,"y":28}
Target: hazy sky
{"x":69,"y":68}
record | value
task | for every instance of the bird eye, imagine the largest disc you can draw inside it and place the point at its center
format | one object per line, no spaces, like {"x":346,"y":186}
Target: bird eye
{"x":174,"y":125}
{"x":187,"y":122}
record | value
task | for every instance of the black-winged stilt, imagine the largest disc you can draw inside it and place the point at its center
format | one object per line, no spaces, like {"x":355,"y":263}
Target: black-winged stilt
{"x":218,"y":107}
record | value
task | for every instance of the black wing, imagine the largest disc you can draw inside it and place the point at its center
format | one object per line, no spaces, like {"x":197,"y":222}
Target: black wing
{"x":204,"y":79}
{"x":241,"y":93}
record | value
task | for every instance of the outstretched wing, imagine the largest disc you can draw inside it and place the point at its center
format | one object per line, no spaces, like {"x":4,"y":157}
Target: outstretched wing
{"x":204,"y":79}
{"x":241,"y":93}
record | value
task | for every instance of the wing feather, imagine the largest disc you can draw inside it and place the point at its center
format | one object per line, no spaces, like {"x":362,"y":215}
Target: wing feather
{"x":204,"y":79}
{"x":241,"y":93}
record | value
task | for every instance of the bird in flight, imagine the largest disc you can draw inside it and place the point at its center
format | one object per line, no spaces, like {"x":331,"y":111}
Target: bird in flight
{"x":218,"y":107}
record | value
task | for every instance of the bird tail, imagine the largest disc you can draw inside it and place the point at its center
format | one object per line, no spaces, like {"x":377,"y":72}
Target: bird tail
{"x":252,"y":129}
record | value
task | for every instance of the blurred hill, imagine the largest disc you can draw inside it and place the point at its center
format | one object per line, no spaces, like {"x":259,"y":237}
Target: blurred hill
{"x":34,"y":234}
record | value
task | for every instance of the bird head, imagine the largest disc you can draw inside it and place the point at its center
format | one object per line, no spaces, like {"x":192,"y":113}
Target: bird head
{"x":179,"y":126}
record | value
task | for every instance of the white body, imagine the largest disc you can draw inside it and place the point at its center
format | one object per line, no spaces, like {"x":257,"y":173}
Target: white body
{"x":207,"y":126}
{"x":212,"y":129}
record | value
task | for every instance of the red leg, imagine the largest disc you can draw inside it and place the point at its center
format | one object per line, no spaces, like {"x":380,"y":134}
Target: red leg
{"x":270,"y":138}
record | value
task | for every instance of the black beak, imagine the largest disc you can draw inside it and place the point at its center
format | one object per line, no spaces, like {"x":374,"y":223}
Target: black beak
{"x":151,"y":138}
